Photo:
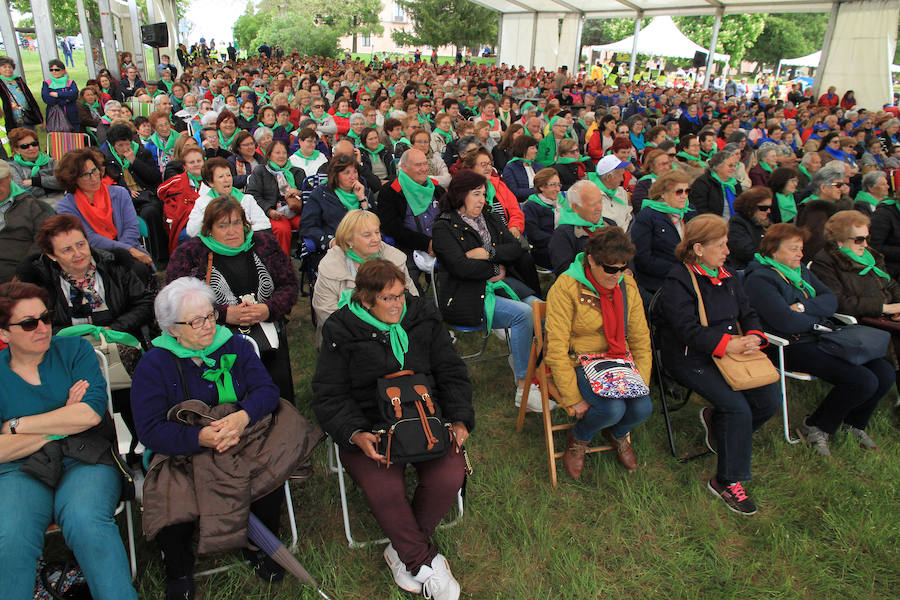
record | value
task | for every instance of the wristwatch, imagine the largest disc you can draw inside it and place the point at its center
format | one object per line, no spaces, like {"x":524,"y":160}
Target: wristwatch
{"x":801,"y":307}
{"x":13,"y":423}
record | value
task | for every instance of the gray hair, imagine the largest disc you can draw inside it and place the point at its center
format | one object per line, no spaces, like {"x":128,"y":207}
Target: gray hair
{"x":209,"y":118}
{"x":717,"y":159}
{"x":466,"y":141}
{"x":737,"y":136}
{"x":892,"y":123}
{"x":159,"y":97}
{"x":807,"y":157}
{"x":765,"y":150}
{"x":357,"y":118}
{"x":406,"y":157}
{"x":185,"y":97}
{"x":399,"y":115}
{"x":573,"y":195}
{"x":827,"y":175}
{"x":261,"y":132}
{"x":871,"y":179}
{"x":171,"y":298}
{"x":111,"y":104}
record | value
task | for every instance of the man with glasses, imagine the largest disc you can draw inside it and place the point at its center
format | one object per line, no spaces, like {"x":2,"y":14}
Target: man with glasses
{"x":21,"y":216}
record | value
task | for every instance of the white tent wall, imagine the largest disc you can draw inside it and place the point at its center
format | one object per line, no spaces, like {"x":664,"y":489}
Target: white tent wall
{"x":861,"y":51}
{"x":569,"y":51}
{"x":517,"y":39}
{"x":546,"y":49}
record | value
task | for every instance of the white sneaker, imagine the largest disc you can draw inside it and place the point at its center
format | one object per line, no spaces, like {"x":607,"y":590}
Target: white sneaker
{"x":402,"y":576}
{"x":437,"y":580}
{"x":534,"y":403}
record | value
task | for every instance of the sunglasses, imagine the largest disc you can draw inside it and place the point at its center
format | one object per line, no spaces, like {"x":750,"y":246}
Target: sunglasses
{"x":860,"y":239}
{"x":34,"y":144}
{"x":764,"y":207}
{"x":838,"y":184}
{"x":611,"y":270}
{"x":682,"y":191}
{"x":31,"y":323}
{"x":54,"y":69}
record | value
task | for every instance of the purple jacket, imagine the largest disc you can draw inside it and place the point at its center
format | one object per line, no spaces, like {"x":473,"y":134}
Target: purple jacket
{"x":66,"y":99}
{"x":124,"y":218}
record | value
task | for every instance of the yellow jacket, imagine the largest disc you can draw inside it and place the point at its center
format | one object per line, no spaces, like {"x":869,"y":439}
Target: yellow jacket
{"x":575,"y":327}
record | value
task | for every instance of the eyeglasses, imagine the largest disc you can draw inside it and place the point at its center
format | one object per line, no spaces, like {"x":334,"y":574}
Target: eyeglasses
{"x":199,"y":322}
{"x":860,"y":239}
{"x":682,"y":191}
{"x":612,"y":270}
{"x":838,"y":184}
{"x":318,"y":106}
{"x":225,"y":225}
{"x":553,"y":184}
{"x":482,"y":165}
{"x":764,"y":207}
{"x":31,"y":323}
{"x":672,"y":155}
{"x":391,"y":299}
{"x":91,"y":173}
{"x":34,"y":144}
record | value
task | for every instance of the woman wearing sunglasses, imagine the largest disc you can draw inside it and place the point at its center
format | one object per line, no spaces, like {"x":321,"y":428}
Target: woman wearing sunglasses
{"x":19,"y":106}
{"x":61,"y":91}
{"x":31,"y":168}
{"x":791,"y":301}
{"x":746,"y":227}
{"x":587,"y":314}
{"x":54,"y":392}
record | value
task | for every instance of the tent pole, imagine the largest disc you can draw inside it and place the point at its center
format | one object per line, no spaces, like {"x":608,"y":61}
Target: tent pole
{"x":634,"y":46}
{"x":578,"y":35}
{"x":109,"y":37}
{"x":46,"y":34}
{"x":10,"y":39}
{"x":710,"y":60}
{"x":778,"y":72}
{"x":86,"y":40}
{"x":499,"y":37}
{"x":826,"y":47}
{"x":534,"y":28}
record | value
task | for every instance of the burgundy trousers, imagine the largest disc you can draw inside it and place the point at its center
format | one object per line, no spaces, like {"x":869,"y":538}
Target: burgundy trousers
{"x":409,"y":525}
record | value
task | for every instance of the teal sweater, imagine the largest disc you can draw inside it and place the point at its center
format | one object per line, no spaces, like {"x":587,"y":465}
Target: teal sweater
{"x":66,"y":361}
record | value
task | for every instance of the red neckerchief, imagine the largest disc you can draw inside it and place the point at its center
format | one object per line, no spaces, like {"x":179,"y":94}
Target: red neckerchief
{"x":612,"y":309}
{"x":723,"y":274}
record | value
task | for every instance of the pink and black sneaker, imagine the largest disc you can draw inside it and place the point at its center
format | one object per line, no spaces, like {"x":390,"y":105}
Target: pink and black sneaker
{"x":734,"y":496}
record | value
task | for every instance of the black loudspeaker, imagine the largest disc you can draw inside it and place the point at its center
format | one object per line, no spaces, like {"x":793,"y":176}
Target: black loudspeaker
{"x":155,"y":35}
{"x":699,"y":58}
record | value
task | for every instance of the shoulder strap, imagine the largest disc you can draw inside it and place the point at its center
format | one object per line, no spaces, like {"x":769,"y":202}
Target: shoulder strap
{"x":700,"y":307}
{"x":624,"y":306}
{"x":181,"y":377}
{"x":209,"y":264}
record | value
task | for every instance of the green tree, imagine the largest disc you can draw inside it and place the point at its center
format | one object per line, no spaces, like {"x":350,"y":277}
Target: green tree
{"x":606,"y":31}
{"x":349,"y":17}
{"x":297,"y":32}
{"x":788,"y":36}
{"x":736,"y":35}
{"x":246,"y":27}
{"x":441,"y":22}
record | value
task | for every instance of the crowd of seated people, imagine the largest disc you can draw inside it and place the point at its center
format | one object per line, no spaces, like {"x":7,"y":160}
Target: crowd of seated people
{"x":742,"y":214}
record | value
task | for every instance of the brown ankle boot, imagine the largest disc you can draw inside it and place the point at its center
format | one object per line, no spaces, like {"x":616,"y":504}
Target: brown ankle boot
{"x":624,"y":450}
{"x":573,"y":459}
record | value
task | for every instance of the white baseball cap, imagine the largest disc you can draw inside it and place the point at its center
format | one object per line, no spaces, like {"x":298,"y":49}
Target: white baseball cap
{"x":610,"y":163}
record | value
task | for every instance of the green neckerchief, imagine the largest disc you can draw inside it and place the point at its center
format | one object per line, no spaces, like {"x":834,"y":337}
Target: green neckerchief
{"x":862,"y":196}
{"x":447,"y":135}
{"x":489,"y":193}
{"x":403,"y":140}
{"x":195,"y":180}
{"x":307,"y":159}
{"x":567,"y":160}
{"x":765,"y":167}
{"x":357,"y":258}
{"x":166,"y":85}
{"x":95,"y":105}
{"x":803,"y":170}
{"x":234,"y":193}
{"x":866,"y":260}
{"x":810,"y":198}
{"x":225,"y":144}
{"x":221,"y":375}
{"x":576,"y":272}
{"x":688,"y":157}
{"x":570,"y":217}
{"x":58,"y":83}
{"x":348,"y":199}
{"x":599,"y":183}
{"x":730,"y":184}
{"x":345,"y":115}
{"x":520,"y":159}
{"x":537,"y":199}
{"x":354,"y":136}
{"x":286,"y":126}
{"x":714,"y":273}
{"x":14,"y":190}
{"x":286,"y":171}
{"x":116,"y":337}
{"x":41,"y":160}
{"x":396,"y":333}
{"x":786,"y":206}
{"x":124,"y":162}
{"x":793,"y":276}
{"x":423,"y":120}
{"x":707,"y":155}
{"x":418,"y":196}
{"x":13,"y":79}
{"x":319,"y":120}
{"x":650,"y":176}
{"x":660,"y":206}
{"x":374,"y":154}
{"x":490,"y":300}
{"x":218,"y":247}
{"x":166,"y":148}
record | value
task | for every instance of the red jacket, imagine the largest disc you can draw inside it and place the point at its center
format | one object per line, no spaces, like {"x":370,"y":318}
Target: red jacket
{"x":178,"y":198}
{"x":829,"y":100}
{"x":595,"y":146}
{"x":512,"y":211}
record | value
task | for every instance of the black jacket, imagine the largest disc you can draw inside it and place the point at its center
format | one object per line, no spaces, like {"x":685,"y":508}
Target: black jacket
{"x":682,"y":340}
{"x":812,"y":216}
{"x":771,"y":295}
{"x":263,"y":186}
{"x":129,"y":301}
{"x":31,"y":113}
{"x":707,"y":197}
{"x":655,"y":238}
{"x":144,"y":169}
{"x":539,"y":229}
{"x":322,"y":213}
{"x":568,"y":174}
{"x":366,"y":167}
{"x":885,"y":232}
{"x":565,"y":245}
{"x":744,"y":236}
{"x":460,"y":279}
{"x":392,"y":206}
{"x":355,"y":355}
{"x":857,"y":295}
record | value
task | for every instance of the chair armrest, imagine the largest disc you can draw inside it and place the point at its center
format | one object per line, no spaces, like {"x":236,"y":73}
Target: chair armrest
{"x":777,"y":341}
{"x":845,"y":319}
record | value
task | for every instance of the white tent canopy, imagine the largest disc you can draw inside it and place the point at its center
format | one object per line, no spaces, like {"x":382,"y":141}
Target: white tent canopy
{"x":660,"y":38}
{"x":810,"y":60}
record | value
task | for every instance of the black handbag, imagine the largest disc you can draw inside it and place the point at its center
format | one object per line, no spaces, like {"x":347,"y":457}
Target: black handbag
{"x":412,"y":428}
{"x":857,"y":344}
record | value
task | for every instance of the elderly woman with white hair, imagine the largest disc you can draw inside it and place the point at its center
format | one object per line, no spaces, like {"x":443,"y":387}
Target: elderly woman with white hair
{"x":767,"y":155}
{"x":232,"y":397}
{"x":111,"y":111}
{"x":874,"y":190}
{"x":263,"y":137}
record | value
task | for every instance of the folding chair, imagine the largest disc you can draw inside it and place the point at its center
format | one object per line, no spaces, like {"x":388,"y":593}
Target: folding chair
{"x":335,"y":466}
{"x":663,"y":378}
{"x":59,"y":143}
{"x":537,"y":369}
{"x":783,"y":374}
{"x":140,"y":109}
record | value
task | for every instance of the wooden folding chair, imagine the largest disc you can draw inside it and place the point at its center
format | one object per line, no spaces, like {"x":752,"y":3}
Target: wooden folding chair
{"x":537,"y":369}
{"x":60,"y":143}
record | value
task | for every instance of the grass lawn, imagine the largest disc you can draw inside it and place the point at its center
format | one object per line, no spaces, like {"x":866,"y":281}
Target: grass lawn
{"x":825,"y":528}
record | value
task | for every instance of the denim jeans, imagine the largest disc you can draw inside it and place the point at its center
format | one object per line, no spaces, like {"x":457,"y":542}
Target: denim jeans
{"x":737,"y":415}
{"x":517,"y":317}
{"x":83,"y":505}
{"x":620,"y":415}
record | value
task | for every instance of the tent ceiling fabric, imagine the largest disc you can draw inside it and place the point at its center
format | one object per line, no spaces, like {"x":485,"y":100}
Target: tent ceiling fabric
{"x":650,"y":8}
{"x":660,"y":38}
